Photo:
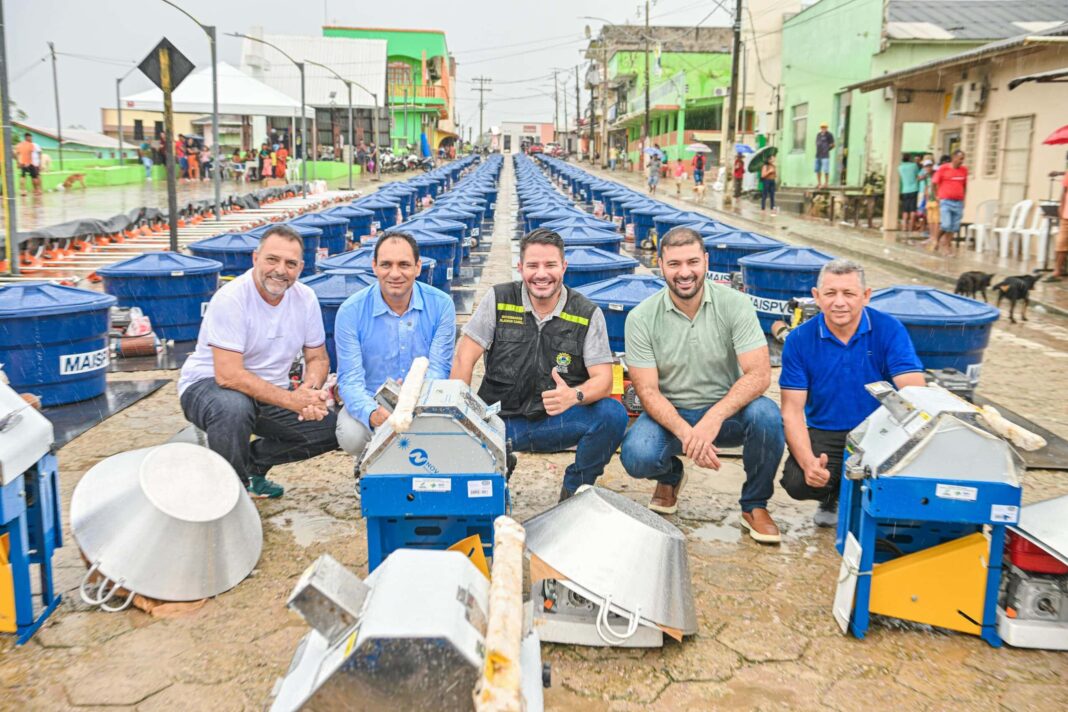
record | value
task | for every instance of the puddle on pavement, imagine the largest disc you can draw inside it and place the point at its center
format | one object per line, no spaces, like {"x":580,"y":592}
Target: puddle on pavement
{"x":308,"y":528}
{"x":726,"y":533}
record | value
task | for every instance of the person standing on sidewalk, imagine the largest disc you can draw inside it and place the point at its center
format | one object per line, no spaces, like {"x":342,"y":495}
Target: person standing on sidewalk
{"x":952,"y":182}
{"x":613,"y":158}
{"x":909,"y":174}
{"x":1060,"y":247}
{"x":28,"y":155}
{"x":653,"y":170}
{"x":826,"y":362}
{"x":236,"y":383}
{"x":680,"y":177}
{"x":145,"y":154}
{"x":824,"y":146}
{"x":699,"y":363}
{"x":738,"y":173}
{"x":768,"y":177}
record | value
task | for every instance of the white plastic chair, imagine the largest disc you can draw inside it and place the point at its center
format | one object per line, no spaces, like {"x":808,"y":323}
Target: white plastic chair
{"x":985,"y":219}
{"x":1017,"y":219}
{"x":1038,"y":230}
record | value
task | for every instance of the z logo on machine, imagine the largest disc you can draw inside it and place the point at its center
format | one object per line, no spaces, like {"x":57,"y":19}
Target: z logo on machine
{"x":419,"y":458}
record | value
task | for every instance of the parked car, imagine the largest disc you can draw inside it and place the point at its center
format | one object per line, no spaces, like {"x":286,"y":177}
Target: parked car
{"x":536,"y":148}
{"x":553,"y":149}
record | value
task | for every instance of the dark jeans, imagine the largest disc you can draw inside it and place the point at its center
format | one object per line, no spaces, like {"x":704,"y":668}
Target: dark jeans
{"x":230,"y":418}
{"x":651,"y":452}
{"x":831,"y":442}
{"x":597,"y":429}
{"x":767,"y":190}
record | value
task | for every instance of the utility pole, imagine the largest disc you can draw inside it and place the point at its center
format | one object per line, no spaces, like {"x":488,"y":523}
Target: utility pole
{"x":564,"y":102}
{"x":7,"y":165}
{"x":604,"y":100}
{"x":481,"y":89}
{"x":556,"y":107}
{"x":55,"y":91}
{"x":732,"y":104}
{"x":645,"y":123}
{"x":578,"y":110}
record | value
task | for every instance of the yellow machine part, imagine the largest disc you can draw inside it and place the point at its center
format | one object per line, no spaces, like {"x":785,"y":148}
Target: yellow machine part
{"x":943,"y":586}
{"x":471,"y":547}
{"x":8,"y":624}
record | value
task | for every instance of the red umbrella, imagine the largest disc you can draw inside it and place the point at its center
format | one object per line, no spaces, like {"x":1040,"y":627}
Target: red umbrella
{"x":1058,"y":137}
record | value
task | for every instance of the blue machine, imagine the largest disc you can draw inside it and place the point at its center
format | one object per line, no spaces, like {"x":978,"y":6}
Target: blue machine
{"x":441,"y":480}
{"x":30,"y":529}
{"x":926,"y":494}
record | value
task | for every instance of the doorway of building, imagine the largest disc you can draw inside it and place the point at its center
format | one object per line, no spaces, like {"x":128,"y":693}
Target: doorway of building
{"x":950,"y":142}
{"x":508,"y":142}
{"x":1015,"y":162}
{"x":845,"y":110}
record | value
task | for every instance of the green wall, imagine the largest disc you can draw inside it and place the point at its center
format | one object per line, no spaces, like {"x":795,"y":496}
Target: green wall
{"x":819,"y":57}
{"x":406,"y":43}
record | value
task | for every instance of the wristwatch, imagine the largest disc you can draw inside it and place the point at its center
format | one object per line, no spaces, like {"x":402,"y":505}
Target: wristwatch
{"x":579,"y":396}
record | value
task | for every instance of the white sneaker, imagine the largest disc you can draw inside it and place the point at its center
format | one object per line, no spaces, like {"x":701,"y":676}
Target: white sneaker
{"x":827,"y":515}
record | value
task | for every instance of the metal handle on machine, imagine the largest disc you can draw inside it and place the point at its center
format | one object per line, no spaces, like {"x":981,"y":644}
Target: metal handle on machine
{"x":103,"y":594}
{"x":604,"y":629}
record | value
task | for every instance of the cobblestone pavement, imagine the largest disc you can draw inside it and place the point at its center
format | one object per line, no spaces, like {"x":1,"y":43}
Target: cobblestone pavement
{"x":767,"y":639}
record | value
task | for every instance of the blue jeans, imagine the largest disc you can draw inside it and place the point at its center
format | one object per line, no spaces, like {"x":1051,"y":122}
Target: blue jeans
{"x":651,"y":452}
{"x":949,"y":214}
{"x":597,"y":429}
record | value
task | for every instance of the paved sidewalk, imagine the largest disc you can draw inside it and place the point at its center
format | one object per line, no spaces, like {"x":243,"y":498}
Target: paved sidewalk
{"x":859,"y":243}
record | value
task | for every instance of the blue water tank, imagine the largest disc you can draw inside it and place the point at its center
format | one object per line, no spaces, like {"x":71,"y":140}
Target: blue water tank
{"x":386,"y":208}
{"x":233,"y":249}
{"x":54,"y":341}
{"x":335,"y":230}
{"x":537,"y":218}
{"x":586,"y":265}
{"x":616,"y":297}
{"x":603,"y":238}
{"x":363,"y":259}
{"x":725,"y":248}
{"x":332,"y":289}
{"x":408,"y":196}
{"x":775,"y":277}
{"x":642,"y":217}
{"x":172,"y":289}
{"x":948,"y":330}
{"x":451,"y":228}
{"x":666,"y":221}
{"x":360,"y":220}
{"x":308,"y":234}
{"x":580,"y":221}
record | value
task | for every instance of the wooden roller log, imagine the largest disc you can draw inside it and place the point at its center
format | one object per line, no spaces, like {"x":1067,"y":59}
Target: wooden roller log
{"x":401,"y":418}
{"x":499,"y":688}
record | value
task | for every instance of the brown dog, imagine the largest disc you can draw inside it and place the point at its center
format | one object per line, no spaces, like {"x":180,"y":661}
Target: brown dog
{"x":72,"y":179}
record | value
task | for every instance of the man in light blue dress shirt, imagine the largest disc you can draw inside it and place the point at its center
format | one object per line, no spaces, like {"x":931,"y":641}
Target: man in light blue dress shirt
{"x":380,"y":330}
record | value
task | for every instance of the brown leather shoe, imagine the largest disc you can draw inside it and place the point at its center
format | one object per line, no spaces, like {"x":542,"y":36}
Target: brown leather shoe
{"x":761,"y":526}
{"x":666,"y":497}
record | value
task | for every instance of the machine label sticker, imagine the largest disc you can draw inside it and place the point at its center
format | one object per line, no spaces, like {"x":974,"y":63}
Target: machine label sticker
{"x":1004,"y":513}
{"x":957,"y":492}
{"x":73,"y":364}
{"x":431,"y":484}
{"x":769,"y":306}
{"x":480,"y":488}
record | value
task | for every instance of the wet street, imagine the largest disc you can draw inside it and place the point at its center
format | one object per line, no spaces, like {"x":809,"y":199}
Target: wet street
{"x":766,"y":640}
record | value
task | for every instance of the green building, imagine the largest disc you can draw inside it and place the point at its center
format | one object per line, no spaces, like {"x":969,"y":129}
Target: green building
{"x":835,"y":43}
{"x":420,"y":83}
{"x":689,"y":76}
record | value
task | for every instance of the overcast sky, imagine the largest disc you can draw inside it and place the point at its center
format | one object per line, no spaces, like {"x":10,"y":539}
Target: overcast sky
{"x":510,"y":42}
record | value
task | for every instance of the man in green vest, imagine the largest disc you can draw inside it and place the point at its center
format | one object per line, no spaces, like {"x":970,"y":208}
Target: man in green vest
{"x":548,"y":363}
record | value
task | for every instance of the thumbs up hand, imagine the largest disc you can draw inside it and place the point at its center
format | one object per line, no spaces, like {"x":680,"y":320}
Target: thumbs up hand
{"x":816,"y":472}
{"x":559,"y":399}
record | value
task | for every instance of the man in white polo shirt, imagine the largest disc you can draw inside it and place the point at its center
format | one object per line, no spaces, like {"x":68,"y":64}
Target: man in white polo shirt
{"x":236,"y":383}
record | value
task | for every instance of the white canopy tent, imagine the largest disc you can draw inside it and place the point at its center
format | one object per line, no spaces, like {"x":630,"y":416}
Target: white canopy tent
{"x":238,"y":94}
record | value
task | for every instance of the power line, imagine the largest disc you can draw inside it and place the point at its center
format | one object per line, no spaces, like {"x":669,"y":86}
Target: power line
{"x":514,"y":44}
{"x":519,"y":54}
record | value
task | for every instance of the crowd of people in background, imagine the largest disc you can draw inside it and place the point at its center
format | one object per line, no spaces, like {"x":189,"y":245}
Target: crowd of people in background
{"x":931,"y":197}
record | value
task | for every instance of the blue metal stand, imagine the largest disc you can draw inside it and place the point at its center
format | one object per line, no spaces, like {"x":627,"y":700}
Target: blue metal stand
{"x":29,"y":516}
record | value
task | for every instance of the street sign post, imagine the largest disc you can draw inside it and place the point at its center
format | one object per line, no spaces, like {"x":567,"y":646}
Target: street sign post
{"x":167,"y":68}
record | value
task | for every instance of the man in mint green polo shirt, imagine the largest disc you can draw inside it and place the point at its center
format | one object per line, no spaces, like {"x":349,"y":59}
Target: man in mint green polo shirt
{"x":699,"y":364}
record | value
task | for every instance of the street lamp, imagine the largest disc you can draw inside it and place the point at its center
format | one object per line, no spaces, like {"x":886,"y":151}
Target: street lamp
{"x":118,"y":107}
{"x":303,"y":118}
{"x":209,"y":30}
{"x":374,"y":119}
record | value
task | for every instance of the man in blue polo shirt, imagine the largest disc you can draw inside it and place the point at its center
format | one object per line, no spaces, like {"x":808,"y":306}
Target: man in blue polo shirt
{"x":826,"y":362}
{"x":380,"y":330}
